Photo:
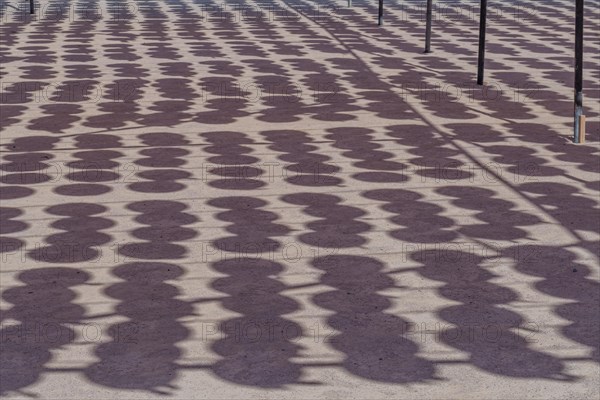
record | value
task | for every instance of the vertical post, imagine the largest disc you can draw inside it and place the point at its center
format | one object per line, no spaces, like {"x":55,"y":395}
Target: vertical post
{"x":349,"y":3}
{"x":428,"y":26}
{"x":482,"y":25}
{"x":380,"y":17}
{"x":579,"y":118}
{"x":31,"y":6}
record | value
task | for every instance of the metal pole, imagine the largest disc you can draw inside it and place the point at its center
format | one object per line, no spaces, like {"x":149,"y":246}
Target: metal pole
{"x":481,"y":57}
{"x":349,"y":3}
{"x":31,"y":6}
{"x":380,"y":17}
{"x":578,"y":128}
{"x":428,"y":26}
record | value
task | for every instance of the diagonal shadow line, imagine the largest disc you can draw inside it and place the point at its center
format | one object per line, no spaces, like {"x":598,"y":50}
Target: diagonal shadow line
{"x":440,"y":129}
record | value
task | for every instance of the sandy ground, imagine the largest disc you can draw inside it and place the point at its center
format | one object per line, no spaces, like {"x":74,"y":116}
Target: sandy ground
{"x":282,"y":200}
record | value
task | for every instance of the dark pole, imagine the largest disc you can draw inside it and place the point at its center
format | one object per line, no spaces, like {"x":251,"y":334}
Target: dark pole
{"x":380,"y":17}
{"x":428,"y":26}
{"x":481,"y":58}
{"x":578,"y":128}
{"x":31,"y":7}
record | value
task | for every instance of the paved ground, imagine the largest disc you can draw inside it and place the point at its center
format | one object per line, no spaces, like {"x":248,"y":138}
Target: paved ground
{"x":281,"y":200}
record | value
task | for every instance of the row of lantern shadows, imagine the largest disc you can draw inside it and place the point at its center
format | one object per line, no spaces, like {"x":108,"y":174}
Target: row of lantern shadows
{"x":46,"y":299}
{"x":152,"y":329}
{"x":59,"y":116}
{"x":316,"y":205}
{"x":250,"y":284}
